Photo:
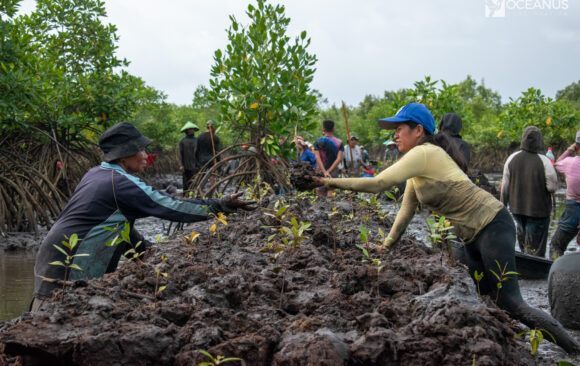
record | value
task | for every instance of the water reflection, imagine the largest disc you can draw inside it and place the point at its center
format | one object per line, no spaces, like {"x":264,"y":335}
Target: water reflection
{"x":16,"y":283}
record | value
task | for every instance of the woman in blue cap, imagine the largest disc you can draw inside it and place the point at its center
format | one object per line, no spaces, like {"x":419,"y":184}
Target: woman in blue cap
{"x":434,"y":170}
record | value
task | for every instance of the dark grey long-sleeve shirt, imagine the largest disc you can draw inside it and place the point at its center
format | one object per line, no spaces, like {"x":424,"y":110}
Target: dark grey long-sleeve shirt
{"x":107,"y":196}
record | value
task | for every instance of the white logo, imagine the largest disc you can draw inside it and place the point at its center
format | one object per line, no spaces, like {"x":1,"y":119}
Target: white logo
{"x":495,"y":8}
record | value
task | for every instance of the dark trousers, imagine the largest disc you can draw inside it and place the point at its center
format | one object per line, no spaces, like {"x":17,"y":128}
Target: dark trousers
{"x":532,"y":234}
{"x":570,"y":217}
{"x":187,"y":177}
{"x":494,"y":247}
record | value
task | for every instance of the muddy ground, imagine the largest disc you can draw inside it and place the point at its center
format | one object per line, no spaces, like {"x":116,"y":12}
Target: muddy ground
{"x":245,"y":293}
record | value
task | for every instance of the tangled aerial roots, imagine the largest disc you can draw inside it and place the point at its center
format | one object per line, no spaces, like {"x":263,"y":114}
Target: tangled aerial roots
{"x":249,"y":167}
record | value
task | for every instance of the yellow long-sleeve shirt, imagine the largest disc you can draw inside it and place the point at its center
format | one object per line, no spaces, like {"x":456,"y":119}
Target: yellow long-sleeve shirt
{"x":435,"y":180}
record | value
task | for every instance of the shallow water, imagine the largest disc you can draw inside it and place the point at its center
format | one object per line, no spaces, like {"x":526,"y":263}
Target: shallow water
{"x":17,"y":269}
{"x":16,"y":283}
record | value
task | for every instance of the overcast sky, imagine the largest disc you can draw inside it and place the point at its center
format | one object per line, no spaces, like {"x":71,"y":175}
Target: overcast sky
{"x":364,"y":47}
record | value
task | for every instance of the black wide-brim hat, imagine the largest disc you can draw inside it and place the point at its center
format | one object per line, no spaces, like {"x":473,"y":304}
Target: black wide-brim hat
{"x":122,"y":140}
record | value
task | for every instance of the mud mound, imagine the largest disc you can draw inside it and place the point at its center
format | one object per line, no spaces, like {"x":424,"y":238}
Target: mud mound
{"x":298,"y":174}
{"x":271,"y":298}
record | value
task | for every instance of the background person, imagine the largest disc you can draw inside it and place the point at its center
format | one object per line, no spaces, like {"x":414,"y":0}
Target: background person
{"x":435,"y":169}
{"x":391,"y":153}
{"x":569,"y":165}
{"x":352,"y":164}
{"x":451,"y":124}
{"x":108,"y":196}
{"x":305,"y":152}
{"x":527,"y":185}
{"x":365,"y":155}
{"x":328,"y":151}
{"x":188,"y":164}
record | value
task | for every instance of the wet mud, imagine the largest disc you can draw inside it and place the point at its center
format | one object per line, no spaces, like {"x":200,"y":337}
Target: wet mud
{"x":274,"y":300}
{"x":299,"y":176}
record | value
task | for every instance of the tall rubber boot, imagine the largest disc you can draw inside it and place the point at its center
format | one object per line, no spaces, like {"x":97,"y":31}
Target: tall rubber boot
{"x":559,"y":242}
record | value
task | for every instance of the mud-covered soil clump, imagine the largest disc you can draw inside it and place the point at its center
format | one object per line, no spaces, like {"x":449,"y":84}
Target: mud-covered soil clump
{"x":257,"y":291}
{"x":299,"y":176}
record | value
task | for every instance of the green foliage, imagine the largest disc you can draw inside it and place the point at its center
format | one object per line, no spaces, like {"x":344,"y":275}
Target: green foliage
{"x":565,"y":363}
{"x":158,"y":275}
{"x":218,"y":219}
{"x":190,"y":241}
{"x":70,"y":244}
{"x":218,"y":360}
{"x":294,"y":234}
{"x":502,"y":275}
{"x":68,"y":264}
{"x":478,"y":277}
{"x":368,"y":258}
{"x":60,"y":76}
{"x":440,"y":235}
{"x":557,"y":120}
{"x":570,"y":93}
{"x":439,"y":231}
{"x":261,"y":81}
{"x":395,"y":195}
{"x":486,"y":121}
{"x":536,"y":337}
{"x":124,"y":235}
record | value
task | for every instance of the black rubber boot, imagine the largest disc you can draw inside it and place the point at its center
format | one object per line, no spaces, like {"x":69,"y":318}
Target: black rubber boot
{"x":559,"y":242}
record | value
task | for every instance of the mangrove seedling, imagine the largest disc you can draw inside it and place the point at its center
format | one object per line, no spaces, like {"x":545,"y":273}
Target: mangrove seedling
{"x":364,"y":235}
{"x":536,"y":337}
{"x":478,"y":277}
{"x":159,"y":239}
{"x":190,"y":241}
{"x":279,"y":211}
{"x":158,"y":274}
{"x":501,"y":277}
{"x":215,"y":361}
{"x":220,"y":218}
{"x":273,"y":247}
{"x":394,"y":196}
{"x":440,"y":234}
{"x":372,"y":260}
{"x":295,"y":233}
{"x":334,"y":212}
{"x":124,"y":236}
{"x":68,"y":264}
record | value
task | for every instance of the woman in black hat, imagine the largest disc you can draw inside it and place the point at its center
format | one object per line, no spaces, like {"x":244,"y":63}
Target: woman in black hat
{"x":108,"y":196}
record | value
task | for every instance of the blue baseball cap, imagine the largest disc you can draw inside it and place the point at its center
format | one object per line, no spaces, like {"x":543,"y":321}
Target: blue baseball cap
{"x":415,"y":112}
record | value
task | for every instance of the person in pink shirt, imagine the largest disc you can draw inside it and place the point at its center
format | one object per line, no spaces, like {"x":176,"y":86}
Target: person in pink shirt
{"x":569,"y":165}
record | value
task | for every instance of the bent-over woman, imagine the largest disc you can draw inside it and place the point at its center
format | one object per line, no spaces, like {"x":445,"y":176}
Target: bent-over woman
{"x":434,"y":170}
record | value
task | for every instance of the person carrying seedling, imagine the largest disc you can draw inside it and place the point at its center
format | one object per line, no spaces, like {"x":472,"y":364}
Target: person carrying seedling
{"x":107,"y":198}
{"x":435,"y":173}
{"x":569,"y":165}
{"x":188,"y":164}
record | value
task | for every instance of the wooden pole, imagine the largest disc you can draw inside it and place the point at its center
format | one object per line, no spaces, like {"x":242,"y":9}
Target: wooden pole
{"x":296,"y":142}
{"x":348,"y":138}
{"x":210,"y":126}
